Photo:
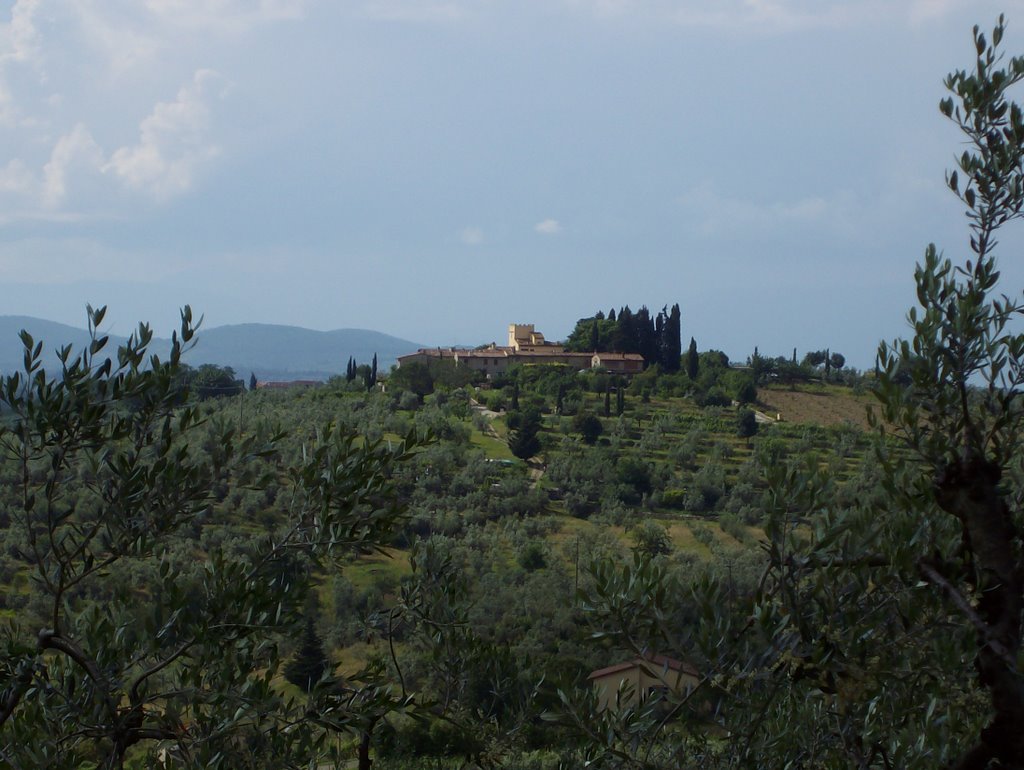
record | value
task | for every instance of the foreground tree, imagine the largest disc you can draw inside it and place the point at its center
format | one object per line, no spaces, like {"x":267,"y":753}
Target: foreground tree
{"x":136,"y":639}
{"x":961,"y":416}
{"x":885,"y":633}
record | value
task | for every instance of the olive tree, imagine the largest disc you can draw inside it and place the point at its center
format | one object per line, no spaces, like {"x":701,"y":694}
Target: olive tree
{"x":887,"y":633}
{"x":107,"y":478}
{"x":961,"y":416}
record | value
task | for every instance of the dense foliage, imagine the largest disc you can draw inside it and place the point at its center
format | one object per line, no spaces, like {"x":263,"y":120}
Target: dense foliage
{"x":886,"y":631}
{"x":657,"y":338}
{"x":182,"y":579}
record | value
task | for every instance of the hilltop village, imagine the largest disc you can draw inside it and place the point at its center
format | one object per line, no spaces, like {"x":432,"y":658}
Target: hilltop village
{"x":526,"y":345}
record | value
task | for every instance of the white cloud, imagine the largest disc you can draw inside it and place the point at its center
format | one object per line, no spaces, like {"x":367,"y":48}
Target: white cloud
{"x":17,"y":179}
{"x":35,"y":194}
{"x":76,"y":150}
{"x":48,"y":261}
{"x":766,"y":16}
{"x":172,"y":143}
{"x":716,"y":215}
{"x":928,"y":10}
{"x":412,"y":11}
{"x":772,"y":15}
{"x":231,"y":16}
{"x":548,"y":227}
{"x":118,"y":35}
{"x":20,"y":37}
{"x":471,"y":236}
{"x":135,"y":37}
{"x":19,"y":48}
{"x":78,"y":75}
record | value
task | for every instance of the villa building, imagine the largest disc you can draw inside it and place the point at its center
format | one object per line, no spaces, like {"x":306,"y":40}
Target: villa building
{"x":526,"y":346}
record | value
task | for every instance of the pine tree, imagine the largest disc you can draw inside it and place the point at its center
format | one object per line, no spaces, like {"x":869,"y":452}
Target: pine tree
{"x":524,"y":442}
{"x":310,"y":661}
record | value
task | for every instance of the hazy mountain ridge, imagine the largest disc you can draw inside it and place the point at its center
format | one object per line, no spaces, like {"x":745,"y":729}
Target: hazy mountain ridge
{"x":271,"y":351}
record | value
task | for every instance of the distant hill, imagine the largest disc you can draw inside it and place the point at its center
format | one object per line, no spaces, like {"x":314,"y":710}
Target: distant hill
{"x":50,"y":333}
{"x":273,"y":352}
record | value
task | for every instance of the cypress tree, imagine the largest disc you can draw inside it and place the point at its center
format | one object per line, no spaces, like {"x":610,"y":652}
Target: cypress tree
{"x":252,"y":381}
{"x":645,"y":337}
{"x":659,"y":335}
{"x":620,"y":399}
{"x":373,"y":371}
{"x":607,"y":400}
{"x":624,"y":338}
{"x":672,"y":341}
{"x":692,"y":360}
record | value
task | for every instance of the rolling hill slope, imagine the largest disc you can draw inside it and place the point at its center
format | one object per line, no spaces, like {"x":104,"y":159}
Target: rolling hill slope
{"x":270,"y":351}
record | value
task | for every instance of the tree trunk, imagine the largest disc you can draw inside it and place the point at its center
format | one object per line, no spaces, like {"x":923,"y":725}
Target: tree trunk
{"x":970,"y":491}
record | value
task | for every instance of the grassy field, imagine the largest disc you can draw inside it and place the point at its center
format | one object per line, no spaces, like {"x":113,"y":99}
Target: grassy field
{"x":825,"y":405}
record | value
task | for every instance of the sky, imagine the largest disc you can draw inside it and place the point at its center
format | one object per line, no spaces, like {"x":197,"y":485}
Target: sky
{"x":438,"y":169}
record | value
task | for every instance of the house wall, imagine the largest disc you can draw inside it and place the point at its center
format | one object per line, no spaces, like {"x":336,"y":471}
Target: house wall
{"x":417,"y":357}
{"x":607,"y":687}
{"x":616,"y":363}
{"x":479,"y":363}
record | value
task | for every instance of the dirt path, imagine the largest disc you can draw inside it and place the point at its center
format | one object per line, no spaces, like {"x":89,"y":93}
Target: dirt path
{"x":479,"y":408}
{"x":534,"y":468}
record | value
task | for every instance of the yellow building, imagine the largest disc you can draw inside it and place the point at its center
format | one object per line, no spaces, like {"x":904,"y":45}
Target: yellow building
{"x":627,"y":684}
{"x":523,"y":338}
